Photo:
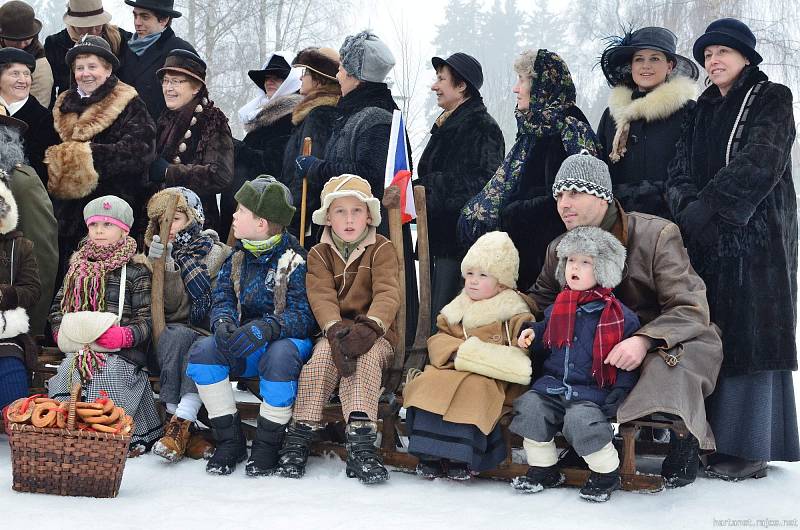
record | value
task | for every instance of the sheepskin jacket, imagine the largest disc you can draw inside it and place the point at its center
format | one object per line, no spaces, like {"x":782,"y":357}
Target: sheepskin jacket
{"x":655,"y":121}
{"x":16,"y":299}
{"x":108,"y":145}
{"x":491,"y":326}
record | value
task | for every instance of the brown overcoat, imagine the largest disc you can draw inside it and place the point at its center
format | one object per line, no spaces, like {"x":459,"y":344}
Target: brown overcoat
{"x":466,"y":397}
{"x":661,"y":286}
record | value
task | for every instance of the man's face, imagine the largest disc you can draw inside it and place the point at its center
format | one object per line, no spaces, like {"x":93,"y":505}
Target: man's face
{"x":146,"y":22}
{"x":577,"y":208}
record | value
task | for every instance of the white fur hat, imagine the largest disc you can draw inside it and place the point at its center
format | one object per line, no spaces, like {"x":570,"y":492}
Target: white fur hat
{"x":9,"y":214}
{"x":608,"y":253}
{"x":495,"y":254}
{"x":347,"y":186}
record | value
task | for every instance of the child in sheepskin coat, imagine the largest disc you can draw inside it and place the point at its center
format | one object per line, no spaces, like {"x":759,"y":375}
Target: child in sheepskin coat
{"x":475,"y":367}
{"x":580,"y":390}
{"x":193,"y":259}
{"x":19,"y":292}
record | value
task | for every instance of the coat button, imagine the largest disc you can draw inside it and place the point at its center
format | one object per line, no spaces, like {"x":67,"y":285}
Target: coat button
{"x":572,"y":365}
{"x":575,"y":338}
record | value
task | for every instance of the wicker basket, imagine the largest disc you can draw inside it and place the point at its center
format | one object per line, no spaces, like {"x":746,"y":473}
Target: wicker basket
{"x":67,"y":461}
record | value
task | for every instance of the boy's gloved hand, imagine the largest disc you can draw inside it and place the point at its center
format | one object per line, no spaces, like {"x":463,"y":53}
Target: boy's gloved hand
{"x":116,"y":337}
{"x":362,"y":336}
{"x":157,"y":249}
{"x":223,"y":329}
{"x":335,"y":334}
{"x":613,"y":400}
{"x":253,"y":336}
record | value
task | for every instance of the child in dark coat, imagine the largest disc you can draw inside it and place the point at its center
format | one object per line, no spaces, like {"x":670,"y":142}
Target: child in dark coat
{"x":579,"y":390}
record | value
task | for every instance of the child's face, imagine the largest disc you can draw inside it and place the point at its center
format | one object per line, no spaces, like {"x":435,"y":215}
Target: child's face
{"x":246,"y":225}
{"x":179,"y":222}
{"x":103,"y":233}
{"x":348,"y":217}
{"x":580,"y":272}
{"x":480,"y":286}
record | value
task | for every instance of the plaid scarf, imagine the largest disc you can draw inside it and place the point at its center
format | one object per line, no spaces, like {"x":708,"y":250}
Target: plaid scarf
{"x":189,"y":250}
{"x":85,"y":281}
{"x":561,"y":328}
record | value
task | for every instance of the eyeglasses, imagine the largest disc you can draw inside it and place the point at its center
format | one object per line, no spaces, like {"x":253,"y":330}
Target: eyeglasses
{"x":173,"y":82}
{"x":17,"y":74}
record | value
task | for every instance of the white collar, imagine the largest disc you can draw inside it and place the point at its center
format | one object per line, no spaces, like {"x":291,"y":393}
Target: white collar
{"x":12,"y":108}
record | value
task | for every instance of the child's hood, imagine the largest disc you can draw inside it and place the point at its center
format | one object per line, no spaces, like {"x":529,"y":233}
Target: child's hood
{"x":499,"y":308}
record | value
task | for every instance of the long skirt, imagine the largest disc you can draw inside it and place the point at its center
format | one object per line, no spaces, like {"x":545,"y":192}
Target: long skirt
{"x":754,"y":416}
{"x":432,"y":436}
{"x":125,"y":383}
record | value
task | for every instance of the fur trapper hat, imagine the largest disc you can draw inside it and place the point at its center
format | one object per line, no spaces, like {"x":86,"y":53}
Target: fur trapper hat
{"x":495,"y":254}
{"x":9,"y":215}
{"x":109,"y":208}
{"x":606,"y":250}
{"x":268,"y":199}
{"x":188,"y":203}
{"x":365,"y":57}
{"x":347,"y":186}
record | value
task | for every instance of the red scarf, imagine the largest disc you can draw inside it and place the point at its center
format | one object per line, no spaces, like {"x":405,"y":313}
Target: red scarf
{"x":561,"y":328}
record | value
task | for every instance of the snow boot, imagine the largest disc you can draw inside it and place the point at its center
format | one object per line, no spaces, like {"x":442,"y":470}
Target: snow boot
{"x":172,"y":446}
{"x":430,"y":468}
{"x":200,"y":445}
{"x":679,"y":467}
{"x":363,"y":460}
{"x":231,"y":444}
{"x":264,"y":450}
{"x":599,"y":486}
{"x":458,"y":471}
{"x":538,"y":478}
{"x":293,"y":456}
{"x":734,"y":469}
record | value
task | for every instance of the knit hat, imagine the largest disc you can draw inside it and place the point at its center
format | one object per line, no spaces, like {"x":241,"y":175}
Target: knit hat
{"x":17,"y":21}
{"x":86,"y":13}
{"x":365,"y":57}
{"x":267,"y":198}
{"x":93,"y":45}
{"x":323,"y":61}
{"x":347,"y":186}
{"x":727,"y":32}
{"x":110,"y":209}
{"x":606,"y":250}
{"x":9,"y":215}
{"x":495,"y":254}
{"x":585,"y":173}
{"x":184,"y":62}
{"x":188,"y":203}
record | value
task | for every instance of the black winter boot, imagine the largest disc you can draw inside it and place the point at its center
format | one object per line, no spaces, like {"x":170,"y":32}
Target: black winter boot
{"x":680,"y":465}
{"x":293,"y":456}
{"x":264,"y":449}
{"x":537,"y":479}
{"x":363,"y":460}
{"x":231,"y":445}
{"x":599,"y":486}
{"x":430,"y":467}
{"x":458,"y":471}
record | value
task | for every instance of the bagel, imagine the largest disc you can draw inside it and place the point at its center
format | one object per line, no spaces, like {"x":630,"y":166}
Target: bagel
{"x":108,"y":406}
{"x":88,"y":413}
{"x":82,"y":405}
{"x":20,"y":411}
{"x":99,"y":427}
{"x":61,"y":418}
{"x":44,"y":414}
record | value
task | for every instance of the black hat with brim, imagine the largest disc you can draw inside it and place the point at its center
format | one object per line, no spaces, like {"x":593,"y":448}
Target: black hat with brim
{"x":14,"y":55}
{"x":277,"y":66}
{"x":10,"y":121}
{"x":467,"y":67}
{"x":92,"y":45}
{"x":617,"y":57}
{"x":731,"y":33}
{"x":165,"y":7}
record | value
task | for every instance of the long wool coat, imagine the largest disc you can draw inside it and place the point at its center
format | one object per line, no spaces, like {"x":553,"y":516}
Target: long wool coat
{"x":466,"y":397}
{"x":750,"y":267}
{"x":660,"y":285}
{"x":460,"y":158}
{"x":655,"y":122}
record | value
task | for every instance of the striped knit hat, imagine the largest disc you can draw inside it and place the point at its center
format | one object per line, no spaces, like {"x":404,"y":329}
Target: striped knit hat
{"x":585,"y":173}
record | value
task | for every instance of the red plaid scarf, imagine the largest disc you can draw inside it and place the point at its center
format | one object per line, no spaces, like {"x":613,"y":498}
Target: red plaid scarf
{"x":561,"y":328}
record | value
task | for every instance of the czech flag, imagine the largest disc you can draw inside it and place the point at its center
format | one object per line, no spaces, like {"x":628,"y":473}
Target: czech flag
{"x":397,"y":167}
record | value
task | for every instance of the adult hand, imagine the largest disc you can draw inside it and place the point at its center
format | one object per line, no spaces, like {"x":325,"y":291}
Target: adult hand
{"x":253,"y":336}
{"x":628,"y":354}
{"x":613,"y":400}
{"x":223,"y":329}
{"x":305,"y":165}
{"x":158,"y":170}
{"x":695,"y":221}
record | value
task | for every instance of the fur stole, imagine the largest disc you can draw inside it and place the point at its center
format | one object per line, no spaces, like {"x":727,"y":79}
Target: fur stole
{"x":661,"y":103}
{"x":499,"y":308}
{"x":273,"y":111}
{"x":325,"y":96}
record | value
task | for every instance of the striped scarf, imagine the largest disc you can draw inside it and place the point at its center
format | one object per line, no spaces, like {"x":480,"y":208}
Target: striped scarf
{"x":189,"y":250}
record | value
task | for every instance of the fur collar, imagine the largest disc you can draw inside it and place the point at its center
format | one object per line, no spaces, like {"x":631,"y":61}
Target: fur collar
{"x":473,"y":314}
{"x":322,"y":98}
{"x":82,"y":126}
{"x":273,"y":111}
{"x":661,"y":103}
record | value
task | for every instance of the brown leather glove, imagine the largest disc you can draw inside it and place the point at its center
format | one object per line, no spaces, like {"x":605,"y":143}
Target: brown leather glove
{"x":362,"y":336}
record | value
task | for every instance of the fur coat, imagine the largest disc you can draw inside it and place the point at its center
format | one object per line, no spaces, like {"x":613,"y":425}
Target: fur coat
{"x":486,"y":331}
{"x":653,"y":126}
{"x":748,"y":258}
{"x":108,"y":144}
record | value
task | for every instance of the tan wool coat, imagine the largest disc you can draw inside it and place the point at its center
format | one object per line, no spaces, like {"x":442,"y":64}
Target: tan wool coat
{"x":466,"y":397}
{"x":364,"y":284}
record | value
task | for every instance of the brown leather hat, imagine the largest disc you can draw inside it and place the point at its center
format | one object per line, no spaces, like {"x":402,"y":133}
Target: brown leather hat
{"x":17,"y":21}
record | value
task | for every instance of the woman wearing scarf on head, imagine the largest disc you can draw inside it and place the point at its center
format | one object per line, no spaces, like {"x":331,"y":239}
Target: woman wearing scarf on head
{"x":519,"y":197}
{"x":194,"y":146}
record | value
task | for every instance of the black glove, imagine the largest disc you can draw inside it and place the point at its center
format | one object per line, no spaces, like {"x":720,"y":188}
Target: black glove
{"x":223,"y":329}
{"x":253,"y":336}
{"x":516,"y":213}
{"x":613,"y":400}
{"x":306,"y":166}
{"x":696,"y":222}
{"x":158,"y":170}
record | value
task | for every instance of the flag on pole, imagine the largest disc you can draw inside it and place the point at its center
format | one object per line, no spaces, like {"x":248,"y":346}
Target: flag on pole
{"x":397,"y":167}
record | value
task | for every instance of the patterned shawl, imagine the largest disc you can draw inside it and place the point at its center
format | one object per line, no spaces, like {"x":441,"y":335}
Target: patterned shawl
{"x":189,"y":250}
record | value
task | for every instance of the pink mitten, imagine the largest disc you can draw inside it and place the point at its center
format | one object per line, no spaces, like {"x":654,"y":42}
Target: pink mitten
{"x":116,"y":337}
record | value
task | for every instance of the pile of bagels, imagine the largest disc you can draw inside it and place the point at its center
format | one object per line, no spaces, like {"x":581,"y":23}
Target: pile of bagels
{"x":102,"y":415}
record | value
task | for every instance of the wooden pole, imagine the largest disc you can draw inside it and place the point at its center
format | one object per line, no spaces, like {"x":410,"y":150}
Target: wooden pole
{"x":423,"y":253}
{"x":157,"y":288}
{"x":304,"y":197}
{"x":391,"y":201}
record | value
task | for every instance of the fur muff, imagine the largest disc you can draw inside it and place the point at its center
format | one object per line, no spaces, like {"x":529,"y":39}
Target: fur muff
{"x":13,"y":322}
{"x":608,"y":253}
{"x":71,"y":169}
{"x":506,"y":363}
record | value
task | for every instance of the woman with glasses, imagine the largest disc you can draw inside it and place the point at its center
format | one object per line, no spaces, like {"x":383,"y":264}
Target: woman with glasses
{"x":194,"y":146}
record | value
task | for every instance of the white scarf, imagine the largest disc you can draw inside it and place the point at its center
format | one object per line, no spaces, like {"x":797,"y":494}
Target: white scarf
{"x":289,"y":86}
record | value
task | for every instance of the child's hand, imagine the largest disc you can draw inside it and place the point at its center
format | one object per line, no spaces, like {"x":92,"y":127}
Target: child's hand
{"x":526,"y":338}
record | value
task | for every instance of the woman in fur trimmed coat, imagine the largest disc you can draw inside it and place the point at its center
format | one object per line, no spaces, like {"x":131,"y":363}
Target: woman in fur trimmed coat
{"x":652,"y":91}
{"x":475,"y":367}
{"x":194,"y":146}
{"x":108,"y":141}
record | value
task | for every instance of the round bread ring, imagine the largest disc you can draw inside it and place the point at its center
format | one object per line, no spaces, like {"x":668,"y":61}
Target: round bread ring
{"x":44,"y":414}
{"x":88,"y":413}
{"x":82,"y":405}
{"x":14,"y":414}
{"x":99,"y":427}
{"x":116,"y":414}
{"x":98,"y":420}
{"x":44,"y":400}
{"x":108,"y":406}
{"x":61,"y":418}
